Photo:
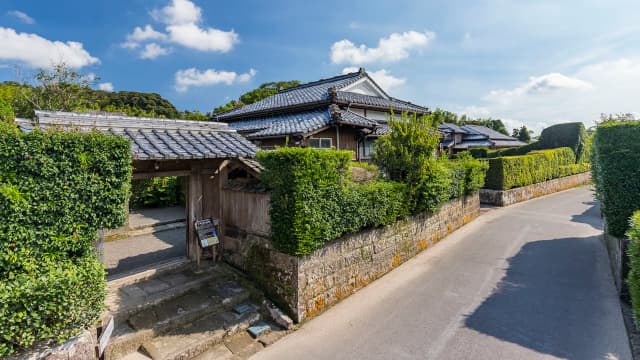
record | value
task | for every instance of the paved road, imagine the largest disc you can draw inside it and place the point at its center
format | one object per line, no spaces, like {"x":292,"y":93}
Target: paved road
{"x":530,"y":281}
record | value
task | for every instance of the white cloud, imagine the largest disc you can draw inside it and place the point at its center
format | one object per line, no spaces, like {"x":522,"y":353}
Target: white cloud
{"x":182,"y":24}
{"x":393,"y":48}
{"x":147,"y":33}
{"x":195,"y":37}
{"x":153,"y":50}
{"x":539,"y":85}
{"x":381,"y":77}
{"x":21,"y":16}
{"x":178,"y":13}
{"x":36,"y":51}
{"x":193,"y":77}
{"x":604,"y":87}
{"x":107,"y":86}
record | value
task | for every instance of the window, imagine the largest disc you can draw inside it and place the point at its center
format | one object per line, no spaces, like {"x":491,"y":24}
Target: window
{"x":321,"y":143}
{"x":368,"y":147}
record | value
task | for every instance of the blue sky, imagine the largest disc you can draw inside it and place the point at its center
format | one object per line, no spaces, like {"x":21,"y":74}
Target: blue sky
{"x":528,"y":62}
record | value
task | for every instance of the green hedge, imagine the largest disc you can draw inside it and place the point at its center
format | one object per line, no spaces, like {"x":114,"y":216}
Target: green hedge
{"x":313,"y":202}
{"x":616,"y":172}
{"x":56,"y":190}
{"x":633,"y":251}
{"x":571,"y":135}
{"x":514,"y":171}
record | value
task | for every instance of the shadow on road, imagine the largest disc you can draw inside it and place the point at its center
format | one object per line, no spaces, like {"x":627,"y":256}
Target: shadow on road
{"x":552,"y":299}
{"x":591,"y":216}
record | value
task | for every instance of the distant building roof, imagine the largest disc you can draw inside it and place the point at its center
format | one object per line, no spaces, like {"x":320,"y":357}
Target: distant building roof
{"x":316,"y":94}
{"x":154,"y":139}
{"x":448,"y":127}
{"x":476,"y":136}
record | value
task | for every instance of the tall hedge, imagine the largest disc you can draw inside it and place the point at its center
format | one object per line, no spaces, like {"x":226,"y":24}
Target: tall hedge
{"x":616,"y":172}
{"x":56,"y":190}
{"x":514,"y":171}
{"x":633,"y":251}
{"x":571,"y":135}
{"x":314,"y":202}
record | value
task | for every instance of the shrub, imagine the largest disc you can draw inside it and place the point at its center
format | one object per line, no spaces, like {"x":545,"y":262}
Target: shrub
{"x":372,"y":204}
{"x":56,"y":190}
{"x":430,"y":189}
{"x":306,"y":186}
{"x":514,"y":171}
{"x":571,"y":135}
{"x":475,"y":171}
{"x":616,"y":172}
{"x":479,"y":152}
{"x":52,"y":301}
{"x":633,"y":251}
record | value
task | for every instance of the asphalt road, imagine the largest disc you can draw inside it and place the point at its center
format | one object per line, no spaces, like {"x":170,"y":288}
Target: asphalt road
{"x":530,"y":281}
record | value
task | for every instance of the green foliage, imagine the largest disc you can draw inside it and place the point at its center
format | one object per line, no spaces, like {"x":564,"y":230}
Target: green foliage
{"x":66,"y":90}
{"x":412,"y":142}
{"x":133,"y":103}
{"x":407,"y":155}
{"x":474,"y":172}
{"x":364,"y":165}
{"x":6,"y":111}
{"x":572,"y":135}
{"x":263,"y":91}
{"x":479,"y":152}
{"x":616,"y":172}
{"x":157,"y":192}
{"x":56,"y":190}
{"x":633,"y":251}
{"x":313,"y":202}
{"x":51,"y":301}
{"x":514,"y":171}
{"x":523,"y":134}
{"x":306,"y":188}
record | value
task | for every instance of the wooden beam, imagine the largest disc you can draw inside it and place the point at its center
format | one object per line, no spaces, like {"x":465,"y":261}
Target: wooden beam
{"x":155,"y":174}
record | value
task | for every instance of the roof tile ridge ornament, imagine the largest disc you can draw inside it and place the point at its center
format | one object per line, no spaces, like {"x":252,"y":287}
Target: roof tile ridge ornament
{"x":362,"y":71}
{"x":333,"y":95}
{"x":335,"y":113}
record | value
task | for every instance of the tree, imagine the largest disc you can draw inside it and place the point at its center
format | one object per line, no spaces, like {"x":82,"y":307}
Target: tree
{"x":263,"y":91}
{"x":407,"y":154}
{"x":523,"y":134}
{"x":59,"y":89}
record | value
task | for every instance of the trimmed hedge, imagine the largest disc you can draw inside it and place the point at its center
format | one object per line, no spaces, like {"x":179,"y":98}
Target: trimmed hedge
{"x":314,"y":202}
{"x":56,"y":190}
{"x":571,"y":135}
{"x":514,"y":171}
{"x":633,"y":251}
{"x":616,"y":172}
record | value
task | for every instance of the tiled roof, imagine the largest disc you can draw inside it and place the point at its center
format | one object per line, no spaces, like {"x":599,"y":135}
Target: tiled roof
{"x":349,"y":117}
{"x":286,"y":124}
{"x":155,"y":139}
{"x":391,"y":103}
{"x":483,"y":130}
{"x":312,"y":92}
{"x":447,"y":127}
{"x":381,"y":130}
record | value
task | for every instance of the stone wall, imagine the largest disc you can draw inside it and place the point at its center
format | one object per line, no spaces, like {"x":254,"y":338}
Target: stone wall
{"x":516,"y":195}
{"x":617,"y":249}
{"x":80,"y":347}
{"x":307,"y":285}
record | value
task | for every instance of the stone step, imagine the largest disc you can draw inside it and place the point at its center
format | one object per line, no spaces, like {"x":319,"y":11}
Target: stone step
{"x":200,"y":336}
{"x":126,"y":299}
{"x":215,"y":297}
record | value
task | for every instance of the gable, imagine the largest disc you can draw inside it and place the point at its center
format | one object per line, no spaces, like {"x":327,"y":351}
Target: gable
{"x":365,"y":86}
